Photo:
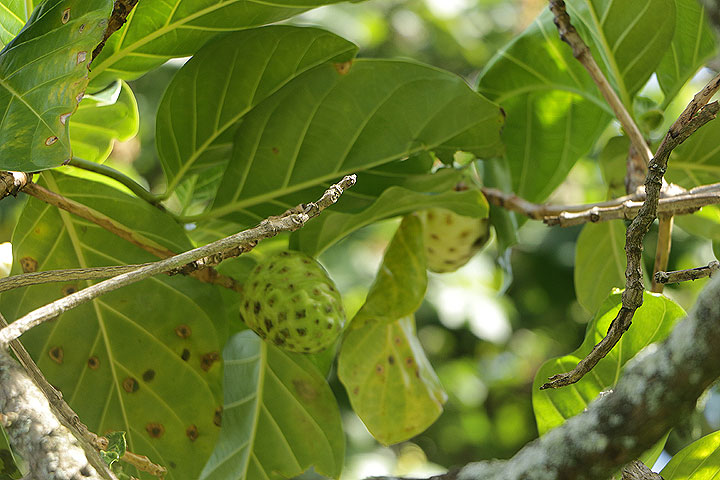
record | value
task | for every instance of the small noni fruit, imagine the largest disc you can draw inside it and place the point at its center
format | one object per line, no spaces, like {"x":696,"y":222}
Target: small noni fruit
{"x":451,"y":240}
{"x":291,"y":302}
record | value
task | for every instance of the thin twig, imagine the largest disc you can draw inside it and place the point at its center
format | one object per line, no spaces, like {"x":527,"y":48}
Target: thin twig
{"x":662,"y":252}
{"x":678,"y":276}
{"x":582,"y":53}
{"x":68,"y":275}
{"x":696,"y":114}
{"x":143,"y":463}
{"x":266,"y":229}
{"x":119,"y":177}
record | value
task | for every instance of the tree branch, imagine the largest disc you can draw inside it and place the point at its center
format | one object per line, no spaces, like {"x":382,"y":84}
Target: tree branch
{"x":662,"y":251}
{"x":118,"y":17}
{"x":290,"y":221}
{"x":685,"y":275}
{"x":657,"y":391}
{"x":696,"y":114}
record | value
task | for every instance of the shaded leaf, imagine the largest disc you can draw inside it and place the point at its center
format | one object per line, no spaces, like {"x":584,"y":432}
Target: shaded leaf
{"x":496,"y":174}
{"x":391,"y":385}
{"x":698,"y":461}
{"x":223,"y":82}
{"x":158,"y":31}
{"x":692,"y":44}
{"x":613,"y":161}
{"x":280,"y":416}
{"x":599,"y":262}
{"x":652,"y":322}
{"x":697,"y":160}
{"x":325,"y":124}
{"x":554,"y":111}
{"x":40,"y":90}
{"x":331,"y":226}
{"x":102,"y":118}
{"x":143,"y":359}
{"x":401,"y":281}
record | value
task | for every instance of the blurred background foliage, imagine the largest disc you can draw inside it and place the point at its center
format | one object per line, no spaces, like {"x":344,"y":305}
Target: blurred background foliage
{"x":486,"y":328}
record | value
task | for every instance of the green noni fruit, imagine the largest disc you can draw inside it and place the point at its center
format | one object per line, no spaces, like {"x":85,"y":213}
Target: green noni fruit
{"x":450,"y":239}
{"x":291,"y":302}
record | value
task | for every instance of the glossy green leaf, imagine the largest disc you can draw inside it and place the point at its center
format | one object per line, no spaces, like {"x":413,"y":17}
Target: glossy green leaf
{"x":496,"y":174}
{"x":652,"y":323}
{"x":102,"y":118}
{"x":223,"y":82}
{"x":40,"y":90}
{"x":391,"y":385}
{"x":8,"y":464}
{"x":401,"y":281}
{"x":331,"y":226}
{"x":143,"y":359}
{"x":280,"y":416}
{"x":13,"y":15}
{"x":697,"y":160}
{"x":158,"y":31}
{"x":554,"y":111}
{"x":613,"y":165}
{"x":692,"y":44}
{"x":704,"y":223}
{"x":698,"y":461}
{"x":326,"y":124}
{"x":599,"y":262}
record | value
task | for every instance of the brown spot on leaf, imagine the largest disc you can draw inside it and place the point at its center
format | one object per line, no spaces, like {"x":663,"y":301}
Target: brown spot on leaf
{"x":28,"y":264}
{"x":81,"y":28}
{"x":50,"y":140}
{"x":356,"y":390}
{"x":208,"y":360}
{"x":185,"y":355}
{"x":379,"y":368}
{"x":64,"y":117}
{"x":391,"y":360}
{"x":409,"y":361}
{"x":56,"y":354}
{"x":217,"y":417}
{"x":148,"y":375}
{"x":81,"y":57}
{"x":68,"y":289}
{"x":275,"y":150}
{"x":398,"y":340}
{"x":156,"y":430}
{"x":93,"y":363}
{"x":305,"y":390}
{"x":65,"y":16}
{"x":183,"y":331}
{"x":130,"y":385}
{"x":343,"y":68}
{"x":192,"y":433}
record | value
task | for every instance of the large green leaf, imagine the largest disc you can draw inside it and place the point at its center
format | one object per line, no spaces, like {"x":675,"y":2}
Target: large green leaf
{"x":391,"y":385}
{"x":652,"y":323}
{"x":102,"y":118}
{"x":280,"y":416}
{"x":401,"y":281}
{"x":158,"y":31}
{"x":43,"y":74}
{"x":223,"y":82}
{"x":554,"y":111}
{"x":599,"y":262}
{"x":692,"y":44}
{"x":13,"y":15}
{"x":331,"y":226}
{"x":698,"y":461}
{"x":697,"y":160}
{"x":142,"y":359}
{"x":326,"y":124}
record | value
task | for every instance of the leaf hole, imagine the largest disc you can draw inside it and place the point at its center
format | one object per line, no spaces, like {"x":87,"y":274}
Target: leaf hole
{"x":130,"y":385}
{"x":93,"y":363}
{"x":50,"y":140}
{"x":81,"y":56}
{"x":28,"y":264}
{"x":192,"y":433}
{"x":183,"y":331}
{"x":65,"y":16}
{"x":57,"y":354}
{"x":208,"y":360}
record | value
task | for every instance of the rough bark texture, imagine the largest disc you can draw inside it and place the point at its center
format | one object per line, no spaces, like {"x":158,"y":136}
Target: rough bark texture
{"x":35,"y":433}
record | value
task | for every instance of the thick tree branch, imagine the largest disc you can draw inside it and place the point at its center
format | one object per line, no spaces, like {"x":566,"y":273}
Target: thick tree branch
{"x":118,"y":17}
{"x":696,"y":114}
{"x":657,"y":391}
{"x":685,"y":275}
{"x":290,"y":221}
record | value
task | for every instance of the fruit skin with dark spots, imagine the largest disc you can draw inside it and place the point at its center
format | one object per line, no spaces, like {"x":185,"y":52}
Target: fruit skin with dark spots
{"x":451,"y":240}
{"x":291,"y":302}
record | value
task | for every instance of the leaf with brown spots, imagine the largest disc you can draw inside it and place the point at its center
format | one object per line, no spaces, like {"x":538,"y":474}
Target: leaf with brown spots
{"x":38,"y":88}
{"x":280,"y":416}
{"x":391,"y":384}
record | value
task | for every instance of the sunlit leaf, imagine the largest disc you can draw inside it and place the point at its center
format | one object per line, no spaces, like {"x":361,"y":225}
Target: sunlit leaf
{"x":697,"y":160}
{"x":554,"y":111}
{"x":651,"y":323}
{"x":401,"y":281}
{"x":326,"y":124}
{"x":391,"y":385}
{"x":143,"y":359}
{"x":13,"y":15}
{"x":40,"y":90}
{"x":330,"y":227}
{"x":102,"y":118}
{"x":698,"y":461}
{"x":692,"y":44}
{"x":280,"y":416}
{"x":223,"y":82}
{"x":158,"y":31}
{"x":599,"y":262}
